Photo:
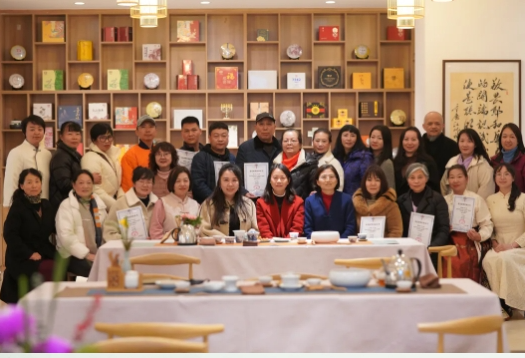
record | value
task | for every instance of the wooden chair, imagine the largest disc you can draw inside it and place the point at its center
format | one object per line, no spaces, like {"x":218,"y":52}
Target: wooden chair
{"x":163,"y":330}
{"x":148,"y":345}
{"x":465,"y":326}
{"x":369,"y":263}
{"x":164,"y":259}
{"x":302,"y":276}
{"x":444,"y":251}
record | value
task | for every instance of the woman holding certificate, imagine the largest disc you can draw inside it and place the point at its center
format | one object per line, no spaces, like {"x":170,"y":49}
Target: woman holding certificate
{"x":177,"y":202}
{"x":329,"y":209}
{"x":162,"y":160}
{"x":279,"y":210}
{"x":432,"y":227}
{"x":227,"y":209}
{"x":476,"y":161}
{"x":470,"y":225}
{"x":376,"y":199}
{"x":504,"y":263}
{"x":294,"y":158}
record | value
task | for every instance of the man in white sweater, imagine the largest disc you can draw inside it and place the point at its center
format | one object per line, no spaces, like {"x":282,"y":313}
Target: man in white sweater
{"x":30,"y":154}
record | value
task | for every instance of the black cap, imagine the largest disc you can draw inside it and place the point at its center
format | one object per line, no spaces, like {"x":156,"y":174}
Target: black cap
{"x":145,"y":118}
{"x":264,"y":115}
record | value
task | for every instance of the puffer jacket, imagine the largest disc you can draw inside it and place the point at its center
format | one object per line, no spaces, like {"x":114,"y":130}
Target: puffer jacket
{"x":302,"y":173}
{"x":386,"y":206}
{"x":354,"y":167}
{"x":64,"y":163}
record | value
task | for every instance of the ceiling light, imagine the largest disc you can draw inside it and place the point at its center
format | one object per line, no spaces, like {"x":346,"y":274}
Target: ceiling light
{"x":205,"y":2}
{"x":406,"y":23}
{"x":330,"y":2}
{"x":406,"y":8}
{"x":127,"y":2}
{"x":149,"y":8}
{"x":442,"y":0}
{"x":149,"y":21}
{"x":79,"y":3}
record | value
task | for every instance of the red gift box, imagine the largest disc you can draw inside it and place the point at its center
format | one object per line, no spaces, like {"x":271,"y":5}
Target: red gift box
{"x":395,"y":34}
{"x":328,"y":33}
{"x":193,"y":82}
{"x":109,"y":34}
{"x":182,"y":82}
{"x":187,"y":67}
{"x":226,"y":78}
{"x":125,"y":34}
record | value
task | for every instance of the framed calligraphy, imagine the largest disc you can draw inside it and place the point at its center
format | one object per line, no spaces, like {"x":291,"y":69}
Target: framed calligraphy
{"x":482,"y":95}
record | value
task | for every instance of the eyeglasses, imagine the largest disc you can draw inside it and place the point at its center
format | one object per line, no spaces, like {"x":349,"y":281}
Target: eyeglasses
{"x":505,"y":174}
{"x":162,"y":155}
{"x":293,"y":141}
{"x":105,"y":138}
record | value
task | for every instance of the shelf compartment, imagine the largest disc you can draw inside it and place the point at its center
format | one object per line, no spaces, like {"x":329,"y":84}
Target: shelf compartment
{"x":17,"y":109}
{"x":197,"y":54}
{"x":383,"y":25}
{"x":310,"y":126}
{"x":295,"y":67}
{"x":296,"y":29}
{"x":49,"y":17}
{"x":50,"y":59}
{"x":82,"y":27}
{"x":321,"y":97}
{"x":142,"y":69}
{"x":24,"y":70}
{"x":116,"y":59}
{"x":97,"y":98}
{"x":366,"y":125}
{"x":236,"y":99}
{"x":146,"y":98}
{"x":156,"y":35}
{"x":288,"y":102}
{"x":75,"y":69}
{"x":263,"y":57}
{"x":361,"y":29}
{"x":329,"y":20}
{"x":115,"y":21}
{"x":266,"y":21}
{"x":346,"y":101}
{"x":187,"y":101}
{"x":225,"y":29}
{"x":43,"y":98}
{"x":187,"y":17}
{"x":401,"y":101}
{"x":210,"y":78}
{"x":398,"y":56}
{"x":329,"y":55}
{"x":260,"y":97}
{"x":17,"y":30}
{"x":362,"y":67}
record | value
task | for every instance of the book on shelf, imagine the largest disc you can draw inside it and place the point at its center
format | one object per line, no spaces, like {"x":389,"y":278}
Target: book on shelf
{"x":370,"y":109}
{"x":262,"y":79}
{"x":125,"y":117}
{"x":151,"y":52}
{"x":52,"y":31}
{"x":227,"y":78}
{"x":125,"y":34}
{"x":188,"y":31}
{"x":295,"y":80}
{"x":180,"y":114}
{"x":232,"y":136}
{"x":118,"y":79}
{"x":52,"y":80}
{"x":329,"y":76}
{"x":43,"y":110}
{"x":109,"y":34}
{"x":49,"y":142}
{"x":97,"y":111}
{"x":69,"y":114}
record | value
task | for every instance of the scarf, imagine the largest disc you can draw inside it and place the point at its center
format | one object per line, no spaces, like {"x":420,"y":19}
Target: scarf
{"x":93,"y":208}
{"x":290,"y":162}
{"x":465,"y":162}
{"x":33,"y":199}
{"x":508,"y":155}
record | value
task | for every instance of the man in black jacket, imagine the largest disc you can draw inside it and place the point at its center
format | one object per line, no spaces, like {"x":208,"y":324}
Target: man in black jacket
{"x":191,"y":134}
{"x":207,"y":163}
{"x":261,"y":149}
{"x":437,"y":145}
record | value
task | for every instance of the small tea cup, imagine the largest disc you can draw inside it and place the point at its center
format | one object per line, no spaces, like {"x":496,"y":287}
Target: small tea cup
{"x":314,"y":281}
{"x":265,"y":280}
{"x":301,"y":240}
{"x":361,"y":236}
{"x":240,"y":235}
{"x":218,"y":238}
{"x":230,"y":283}
{"x":229,"y":239}
{"x":290,"y":279}
{"x":294,"y":235}
{"x":404,"y":284}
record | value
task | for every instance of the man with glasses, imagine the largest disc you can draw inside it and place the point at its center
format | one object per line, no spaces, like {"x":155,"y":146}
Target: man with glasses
{"x":102,"y":157}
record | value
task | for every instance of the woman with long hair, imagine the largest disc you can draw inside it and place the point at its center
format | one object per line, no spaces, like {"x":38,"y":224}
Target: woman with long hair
{"x":504,"y":263}
{"x":27,"y":228}
{"x":476,"y":161}
{"x":381,"y":147}
{"x":227,"y":209}
{"x":412,"y":150}
{"x":322,"y":142}
{"x":375,"y":198}
{"x":353,"y":156}
{"x":162,"y":160}
{"x":279,"y":210}
{"x":511,"y":150}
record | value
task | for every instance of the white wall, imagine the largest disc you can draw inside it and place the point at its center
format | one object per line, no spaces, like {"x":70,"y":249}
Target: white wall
{"x":464,"y":29}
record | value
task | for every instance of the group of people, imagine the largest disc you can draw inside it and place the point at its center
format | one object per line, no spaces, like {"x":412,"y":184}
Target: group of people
{"x":68,"y":203}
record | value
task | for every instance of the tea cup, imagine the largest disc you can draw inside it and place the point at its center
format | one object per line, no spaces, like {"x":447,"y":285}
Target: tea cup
{"x":229,"y":239}
{"x":230,"y":283}
{"x":404,"y":284}
{"x":290,"y":279}
{"x":239,"y":235}
{"x":361,"y":236}
{"x":314,"y":281}
{"x":265,"y":280}
{"x":294,"y":235}
{"x":301,"y":240}
{"x":218,"y":238}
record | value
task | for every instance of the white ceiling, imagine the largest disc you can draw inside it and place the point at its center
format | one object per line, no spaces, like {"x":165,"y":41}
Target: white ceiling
{"x":191,"y":4}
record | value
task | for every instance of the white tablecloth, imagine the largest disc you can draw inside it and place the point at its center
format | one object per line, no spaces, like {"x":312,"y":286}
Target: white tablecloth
{"x":290,"y":322}
{"x":247,"y":262}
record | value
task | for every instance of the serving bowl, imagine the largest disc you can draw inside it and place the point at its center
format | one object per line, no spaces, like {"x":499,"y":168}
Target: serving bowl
{"x":349,"y":277}
{"x":326,"y":237}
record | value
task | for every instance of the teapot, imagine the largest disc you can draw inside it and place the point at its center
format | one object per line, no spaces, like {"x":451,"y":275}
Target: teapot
{"x":401,"y":268}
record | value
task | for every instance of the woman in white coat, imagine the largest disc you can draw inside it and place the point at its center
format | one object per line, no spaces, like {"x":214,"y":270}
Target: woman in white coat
{"x":102,"y":157}
{"x":79,"y":223}
{"x":323,"y":153}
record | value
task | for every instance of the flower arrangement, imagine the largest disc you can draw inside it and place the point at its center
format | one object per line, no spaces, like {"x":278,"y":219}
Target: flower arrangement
{"x":126,"y":240}
{"x":191,"y":220}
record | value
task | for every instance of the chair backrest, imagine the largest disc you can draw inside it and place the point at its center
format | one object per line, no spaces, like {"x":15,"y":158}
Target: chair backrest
{"x":444,"y":251}
{"x":465,"y":326}
{"x":370,"y":263}
{"x":165,"y":330}
{"x":165,"y":259}
{"x":148,"y":345}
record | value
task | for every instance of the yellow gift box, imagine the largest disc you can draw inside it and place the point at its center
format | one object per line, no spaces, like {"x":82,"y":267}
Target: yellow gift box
{"x":84,"y":50}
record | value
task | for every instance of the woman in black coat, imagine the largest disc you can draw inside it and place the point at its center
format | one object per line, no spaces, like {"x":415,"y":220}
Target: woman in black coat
{"x":27,"y":230}
{"x":420,"y":198}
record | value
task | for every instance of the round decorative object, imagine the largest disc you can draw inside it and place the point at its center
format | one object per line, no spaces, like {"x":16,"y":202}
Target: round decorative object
{"x":287,"y":118}
{"x":154,"y":109}
{"x":398,"y":117}
{"x":227,"y":51}
{"x":362,"y":52}
{"x":18,"y":52}
{"x":85,"y":80}
{"x":151,"y":81}
{"x":16,"y":81}
{"x":294,"y":51}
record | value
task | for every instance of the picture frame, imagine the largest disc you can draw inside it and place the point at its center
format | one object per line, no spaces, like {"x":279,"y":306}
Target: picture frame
{"x":482,"y":95}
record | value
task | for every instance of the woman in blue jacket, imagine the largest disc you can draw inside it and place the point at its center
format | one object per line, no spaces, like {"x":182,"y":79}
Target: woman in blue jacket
{"x":329,"y":209}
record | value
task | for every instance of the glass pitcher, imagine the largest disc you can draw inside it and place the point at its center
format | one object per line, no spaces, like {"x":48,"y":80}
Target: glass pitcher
{"x":401,"y":268}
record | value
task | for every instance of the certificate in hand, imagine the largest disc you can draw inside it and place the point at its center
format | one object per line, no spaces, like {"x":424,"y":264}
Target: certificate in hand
{"x":136,"y":223}
{"x":373,"y":226}
{"x":185,"y":158}
{"x":255,"y":176}
{"x":420,"y":227}
{"x":217,"y":166}
{"x":463,"y":211}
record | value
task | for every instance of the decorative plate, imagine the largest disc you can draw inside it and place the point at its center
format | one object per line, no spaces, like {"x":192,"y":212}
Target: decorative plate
{"x":294,"y":51}
{"x":287,"y":118}
{"x":85,"y":80}
{"x":16,"y":81}
{"x":398,"y":117}
{"x":18,"y":52}
{"x":227,"y":51}
{"x":151,"y":81}
{"x":154,"y":109}
{"x":362,"y":52}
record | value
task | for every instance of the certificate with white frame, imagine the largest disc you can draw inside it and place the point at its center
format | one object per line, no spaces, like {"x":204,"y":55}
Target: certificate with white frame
{"x":255,"y":176}
{"x":420,"y":227}
{"x":185,"y":158}
{"x":136,"y":224}
{"x":217,"y":166}
{"x":373,"y":226}
{"x":463,"y":210}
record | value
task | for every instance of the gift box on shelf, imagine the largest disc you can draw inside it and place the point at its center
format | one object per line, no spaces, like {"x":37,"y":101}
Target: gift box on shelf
{"x":52,"y":80}
{"x":393,"y":78}
{"x":370,"y":109}
{"x":361,"y":80}
{"x":257,"y":108}
{"x":118,"y":79}
{"x":52,"y":31}
{"x":314,"y":110}
{"x":393,"y":33}
{"x":295,"y":80}
{"x":125,"y":117}
{"x":227,"y":78}
{"x":188,"y":31}
{"x":328,"y":33}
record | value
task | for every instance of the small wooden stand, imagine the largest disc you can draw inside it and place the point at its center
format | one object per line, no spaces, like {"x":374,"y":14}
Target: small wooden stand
{"x":250,"y":243}
{"x":115,"y":279}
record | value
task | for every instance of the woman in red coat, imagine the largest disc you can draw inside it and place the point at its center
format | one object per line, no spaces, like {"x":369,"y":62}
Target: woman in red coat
{"x":279,"y":211}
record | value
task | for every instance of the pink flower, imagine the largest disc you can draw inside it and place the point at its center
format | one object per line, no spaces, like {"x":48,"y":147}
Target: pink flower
{"x":12,"y":324}
{"x":53,"y":344}
{"x":189,"y":217}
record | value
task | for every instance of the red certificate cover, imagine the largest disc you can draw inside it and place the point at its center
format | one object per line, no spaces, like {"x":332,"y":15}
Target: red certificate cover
{"x":395,"y":34}
{"x":328,"y":33}
{"x":124,"y":34}
{"x":226,"y":78}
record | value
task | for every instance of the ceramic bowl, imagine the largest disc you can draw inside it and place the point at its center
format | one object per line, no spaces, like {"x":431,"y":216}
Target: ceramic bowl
{"x":351,"y":277}
{"x":213,"y":286}
{"x":294,"y":235}
{"x":265,"y":279}
{"x":352,"y":238}
{"x":218,"y":239}
{"x":325,"y":236}
{"x":301,"y":240}
{"x":290,"y":279}
{"x":229,"y":239}
{"x":314,"y":281}
{"x":404,"y":285}
{"x":171,"y":284}
{"x":361,"y":236}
